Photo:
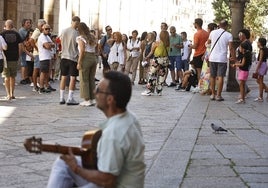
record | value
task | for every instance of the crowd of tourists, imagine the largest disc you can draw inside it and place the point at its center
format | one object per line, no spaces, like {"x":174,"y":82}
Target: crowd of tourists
{"x":76,"y":52}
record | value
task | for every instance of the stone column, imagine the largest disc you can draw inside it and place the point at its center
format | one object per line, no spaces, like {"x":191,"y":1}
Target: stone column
{"x":237,"y":15}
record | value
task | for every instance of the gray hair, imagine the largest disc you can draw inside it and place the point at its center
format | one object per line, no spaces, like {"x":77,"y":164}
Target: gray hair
{"x":41,"y":22}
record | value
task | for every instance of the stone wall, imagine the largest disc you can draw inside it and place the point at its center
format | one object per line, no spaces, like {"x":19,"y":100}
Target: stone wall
{"x":33,"y":9}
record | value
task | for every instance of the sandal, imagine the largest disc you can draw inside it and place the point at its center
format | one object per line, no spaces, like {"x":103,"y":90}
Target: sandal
{"x":212,"y":97}
{"x":259,"y":99}
{"x":240,"y":101}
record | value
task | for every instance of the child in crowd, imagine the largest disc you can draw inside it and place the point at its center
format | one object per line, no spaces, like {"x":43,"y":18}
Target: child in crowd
{"x":189,"y":79}
{"x":261,"y":68}
{"x":53,"y":60}
{"x":28,"y":49}
{"x":243,"y":70}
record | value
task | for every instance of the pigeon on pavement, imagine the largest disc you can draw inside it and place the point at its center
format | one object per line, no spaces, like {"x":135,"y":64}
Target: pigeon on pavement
{"x":217,"y":128}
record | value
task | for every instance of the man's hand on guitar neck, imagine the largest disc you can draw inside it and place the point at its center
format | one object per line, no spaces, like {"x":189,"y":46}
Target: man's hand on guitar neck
{"x":70,"y":160}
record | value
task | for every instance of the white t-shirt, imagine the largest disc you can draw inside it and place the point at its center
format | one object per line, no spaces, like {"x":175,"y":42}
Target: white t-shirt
{"x":185,"y":51}
{"x":44,"y":54}
{"x":88,"y":48}
{"x":220,"y":51}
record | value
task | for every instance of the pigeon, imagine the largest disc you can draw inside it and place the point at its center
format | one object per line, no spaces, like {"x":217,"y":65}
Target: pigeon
{"x":217,"y":128}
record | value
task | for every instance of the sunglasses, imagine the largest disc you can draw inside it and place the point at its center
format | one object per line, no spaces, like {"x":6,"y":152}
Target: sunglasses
{"x":109,"y":30}
{"x":103,"y":92}
{"x":47,"y":29}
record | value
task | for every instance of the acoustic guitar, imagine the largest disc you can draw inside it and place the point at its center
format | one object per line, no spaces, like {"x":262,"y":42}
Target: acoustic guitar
{"x":88,"y":150}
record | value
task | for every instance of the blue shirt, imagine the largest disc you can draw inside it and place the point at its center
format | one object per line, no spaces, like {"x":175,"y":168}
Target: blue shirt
{"x":105,"y":46}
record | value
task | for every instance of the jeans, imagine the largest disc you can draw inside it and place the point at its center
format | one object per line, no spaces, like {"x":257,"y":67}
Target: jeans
{"x":62,"y":176}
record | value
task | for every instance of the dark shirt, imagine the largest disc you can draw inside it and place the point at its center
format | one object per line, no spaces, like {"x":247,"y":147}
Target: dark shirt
{"x":248,"y":59}
{"x":265,"y":54}
{"x":240,"y":55}
{"x":148,"y":48}
{"x":12,"y":39}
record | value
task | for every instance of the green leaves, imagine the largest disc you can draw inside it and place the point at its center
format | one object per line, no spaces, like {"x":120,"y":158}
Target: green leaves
{"x":256,"y":14}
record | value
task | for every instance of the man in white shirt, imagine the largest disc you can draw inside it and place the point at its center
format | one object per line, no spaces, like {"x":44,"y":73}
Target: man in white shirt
{"x":120,"y":149}
{"x":45,"y":46}
{"x":220,"y":40}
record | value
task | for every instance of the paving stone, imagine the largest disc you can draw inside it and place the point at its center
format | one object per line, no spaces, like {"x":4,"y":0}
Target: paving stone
{"x":213,"y":182}
{"x":210,"y":162}
{"x":258,"y":185}
{"x":251,"y":162}
{"x":255,"y":178}
{"x":251,"y":170}
{"x":206,"y":155}
{"x":210,"y":171}
{"x":181,"y":150}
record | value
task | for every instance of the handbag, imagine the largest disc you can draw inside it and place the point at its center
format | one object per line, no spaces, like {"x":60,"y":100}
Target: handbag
{"x":255,"y":75}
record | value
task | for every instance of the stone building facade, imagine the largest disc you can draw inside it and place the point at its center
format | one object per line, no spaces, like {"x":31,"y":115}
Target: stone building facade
{"x":17,"y":10}
{"x":120,"y":14}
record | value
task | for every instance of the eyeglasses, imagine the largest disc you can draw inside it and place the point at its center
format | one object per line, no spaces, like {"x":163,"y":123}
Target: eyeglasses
{"x":103,"y":92}
{"x":47,"y":29}
{"x":109,"y":29}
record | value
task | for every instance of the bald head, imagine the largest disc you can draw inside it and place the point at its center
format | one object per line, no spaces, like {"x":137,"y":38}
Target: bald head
{"x":9,"y":25}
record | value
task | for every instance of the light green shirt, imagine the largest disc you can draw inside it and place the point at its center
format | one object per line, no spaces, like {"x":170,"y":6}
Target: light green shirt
{"x":175,"y":40}
{"x":121,"y":150}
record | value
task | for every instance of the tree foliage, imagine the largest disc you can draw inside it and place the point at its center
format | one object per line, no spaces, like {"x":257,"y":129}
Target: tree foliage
{"x":255,"y":14}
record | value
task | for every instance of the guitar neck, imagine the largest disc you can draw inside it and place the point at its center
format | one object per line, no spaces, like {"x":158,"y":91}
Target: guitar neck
{"x":62,"y":149}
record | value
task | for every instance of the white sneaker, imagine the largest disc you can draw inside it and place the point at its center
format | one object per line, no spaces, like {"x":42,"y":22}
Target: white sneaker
{"x":38,"y":84}
{"x":32,"y":84}
{"x":146,"y":93}
{"x":85,"y":103}
{"x":195,"y":90}
{"x":92,"y":102}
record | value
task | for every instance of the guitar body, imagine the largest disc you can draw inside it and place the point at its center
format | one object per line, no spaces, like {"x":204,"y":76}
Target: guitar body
{"x":90,"y":143}
{"x":88,"y":150}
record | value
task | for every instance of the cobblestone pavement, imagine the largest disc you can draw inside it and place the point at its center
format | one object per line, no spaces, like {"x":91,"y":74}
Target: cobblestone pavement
{"x":181,"y":149}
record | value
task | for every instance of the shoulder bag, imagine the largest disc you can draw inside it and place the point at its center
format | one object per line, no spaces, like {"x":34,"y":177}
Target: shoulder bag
{"x":216,"y":42}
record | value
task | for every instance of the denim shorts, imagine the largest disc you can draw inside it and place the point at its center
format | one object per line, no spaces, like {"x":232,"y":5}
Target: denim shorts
{"x":36,"y":62}
{"x":23,"y":60}
{"x":175,"y":62}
